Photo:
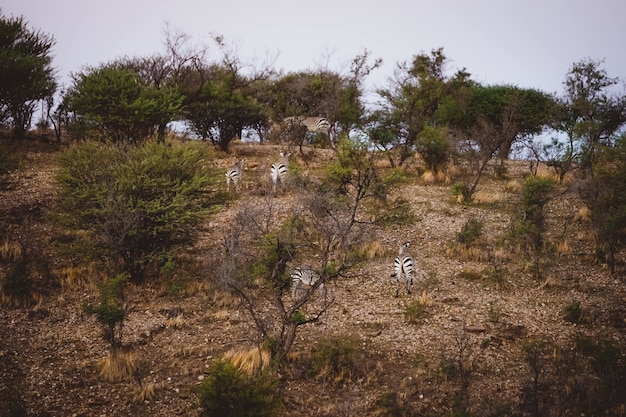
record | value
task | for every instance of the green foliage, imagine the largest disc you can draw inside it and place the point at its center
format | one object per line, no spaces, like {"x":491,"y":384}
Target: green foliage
{"x":471,"y":231}
{"x":228,"y":391}
{"x":223,"y":107}
{"x":272,"y":261}
{"x":433,"y":146}
{"x":338,"y":360}
{"x":26,"y":72}
{"x":573,"y":312}
{"x":110,"y":310}
{"x":605,"y":195}
{"x":121,"y":105}
{"x":17,"y":287}
{"x":395,"y":212}
{"x":139,"y":203}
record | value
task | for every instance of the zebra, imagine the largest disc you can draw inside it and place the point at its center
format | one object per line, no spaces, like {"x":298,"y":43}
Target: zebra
{"x":278,"y":171}
{"x":403,"y":264}
{"x":234,"y":174}
{"x":312,"y":124}
{"x":305,"y":275}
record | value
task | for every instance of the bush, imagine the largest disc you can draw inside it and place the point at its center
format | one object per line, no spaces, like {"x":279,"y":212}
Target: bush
{"x":228,"y":391}
{"x":138,"y":202}
{"x":339,"y":360}
{"x":472,"y":230}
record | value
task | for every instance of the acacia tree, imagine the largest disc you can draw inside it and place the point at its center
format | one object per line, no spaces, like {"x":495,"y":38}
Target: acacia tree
{"x":26,"y":73}
{"x":515,"y":113}
{"x":221,"y":99}
{"x":595,"y":116}
{"x":116,"y":103}
{"x":420,"y":94}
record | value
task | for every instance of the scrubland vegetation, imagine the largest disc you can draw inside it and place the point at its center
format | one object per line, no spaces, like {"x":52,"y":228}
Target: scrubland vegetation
{"x":133,"y":283}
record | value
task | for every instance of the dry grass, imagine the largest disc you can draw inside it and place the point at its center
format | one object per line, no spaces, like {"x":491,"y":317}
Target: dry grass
{"x":248,"y":361}
{"x":117,"y":365}
{"x":10,"y":251}
{"x":147,"y":392}
{"x":430,"y":177}
{"x":177,"y":322}
{"x":488,"y":197}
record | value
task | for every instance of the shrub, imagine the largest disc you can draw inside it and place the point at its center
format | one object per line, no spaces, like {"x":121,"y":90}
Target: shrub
{"x":339,"y":360}
{"x":573,"y":312}
{"x":139,"y":203}
{"x":109,"y":311}
{"x":228,"y":391}
{"x":471,"y":231}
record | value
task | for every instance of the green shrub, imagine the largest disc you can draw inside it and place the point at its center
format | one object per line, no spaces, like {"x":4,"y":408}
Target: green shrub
{"x":228,"y":391}
{"x":17,"y":287}
{"x":339,"y":360}
{"x":139,"y":202}
{"x":110,"y":311}
{"x":472,"y":230}
{"x":573,"y":312}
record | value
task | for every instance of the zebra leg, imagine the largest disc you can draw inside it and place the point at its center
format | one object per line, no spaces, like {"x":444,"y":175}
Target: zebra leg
{"x":409,"y":282}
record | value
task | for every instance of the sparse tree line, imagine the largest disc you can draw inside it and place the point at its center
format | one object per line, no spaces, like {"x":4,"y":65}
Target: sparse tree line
{"x":131,"y":200}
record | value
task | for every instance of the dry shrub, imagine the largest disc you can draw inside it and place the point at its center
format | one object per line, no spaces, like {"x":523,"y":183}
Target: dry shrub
{"x":583,"y":215}
{"x":513,"y":187}
{"x":10,"y":251}
{"x":147,"y":392}
{"x":177,"y":322}
{"x":485,"y":197}
{"x":221,"y":315}
{"x":249,"y":361}
{"x":563,"y":247}
{"x":370,"y":250}
{"x":429,"y":177}
{"x":224,"y":299}
{"x":118,"y":365}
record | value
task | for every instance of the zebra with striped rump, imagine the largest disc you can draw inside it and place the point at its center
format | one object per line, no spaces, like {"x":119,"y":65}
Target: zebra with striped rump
{"x":305,"y":275}
{"x":278,"y":171}
{"x":312,"y":124}
{"x":234,"y":174}
{"x":403,"y":265}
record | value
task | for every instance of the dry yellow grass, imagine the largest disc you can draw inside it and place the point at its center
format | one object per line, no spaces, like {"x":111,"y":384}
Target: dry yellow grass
{"x":249,"y":361}
{"x":147,"y":392}
{"x":10,"y":251}
{"x":488,"y":197}
{"x":177,"y":322}
{"x":117,"y":365}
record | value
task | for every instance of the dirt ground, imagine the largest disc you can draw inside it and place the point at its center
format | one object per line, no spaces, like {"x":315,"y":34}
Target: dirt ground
{"x":51,"y":350}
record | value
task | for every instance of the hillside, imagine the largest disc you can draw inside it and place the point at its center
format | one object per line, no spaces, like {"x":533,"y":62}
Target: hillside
{"x":483,"y":329}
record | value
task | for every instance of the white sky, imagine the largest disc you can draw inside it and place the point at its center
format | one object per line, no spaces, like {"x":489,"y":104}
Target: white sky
{"x":528,"y":43}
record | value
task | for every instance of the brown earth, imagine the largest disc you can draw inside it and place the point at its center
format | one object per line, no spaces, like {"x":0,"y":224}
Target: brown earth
{"x":469,"y":341}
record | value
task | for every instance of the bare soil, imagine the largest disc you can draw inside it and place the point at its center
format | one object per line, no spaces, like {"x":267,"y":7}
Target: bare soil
{"x":469,"y":340}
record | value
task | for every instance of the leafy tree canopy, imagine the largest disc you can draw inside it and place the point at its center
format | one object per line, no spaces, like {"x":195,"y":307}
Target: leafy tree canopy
{"x":26,"y":73}
{"x":121,"y":105}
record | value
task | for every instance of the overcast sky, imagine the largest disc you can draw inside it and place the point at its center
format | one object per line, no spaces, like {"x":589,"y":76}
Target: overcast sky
{"x":528,"y":43}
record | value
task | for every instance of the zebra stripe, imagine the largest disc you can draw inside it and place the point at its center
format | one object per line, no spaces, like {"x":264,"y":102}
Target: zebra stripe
{"x":304,"y":275}
{"x":403,"y":265}
{"x":313,"y":124}
{"x":278,"y":171}
{"x":234,"y":174}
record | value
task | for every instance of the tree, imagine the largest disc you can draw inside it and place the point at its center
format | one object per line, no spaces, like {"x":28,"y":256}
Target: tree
{"x":26,"y":73}
{"x":515,"y":113}
{"x":421,"y":94}
{"x":118,"y":104}
{"x":595,"y":117}
{"x":605,"y":194}
{"x":138,"y":203}
{"x":221,"y":100}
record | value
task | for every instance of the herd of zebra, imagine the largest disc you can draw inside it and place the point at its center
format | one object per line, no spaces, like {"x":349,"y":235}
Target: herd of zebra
{"x":305,"y":275}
